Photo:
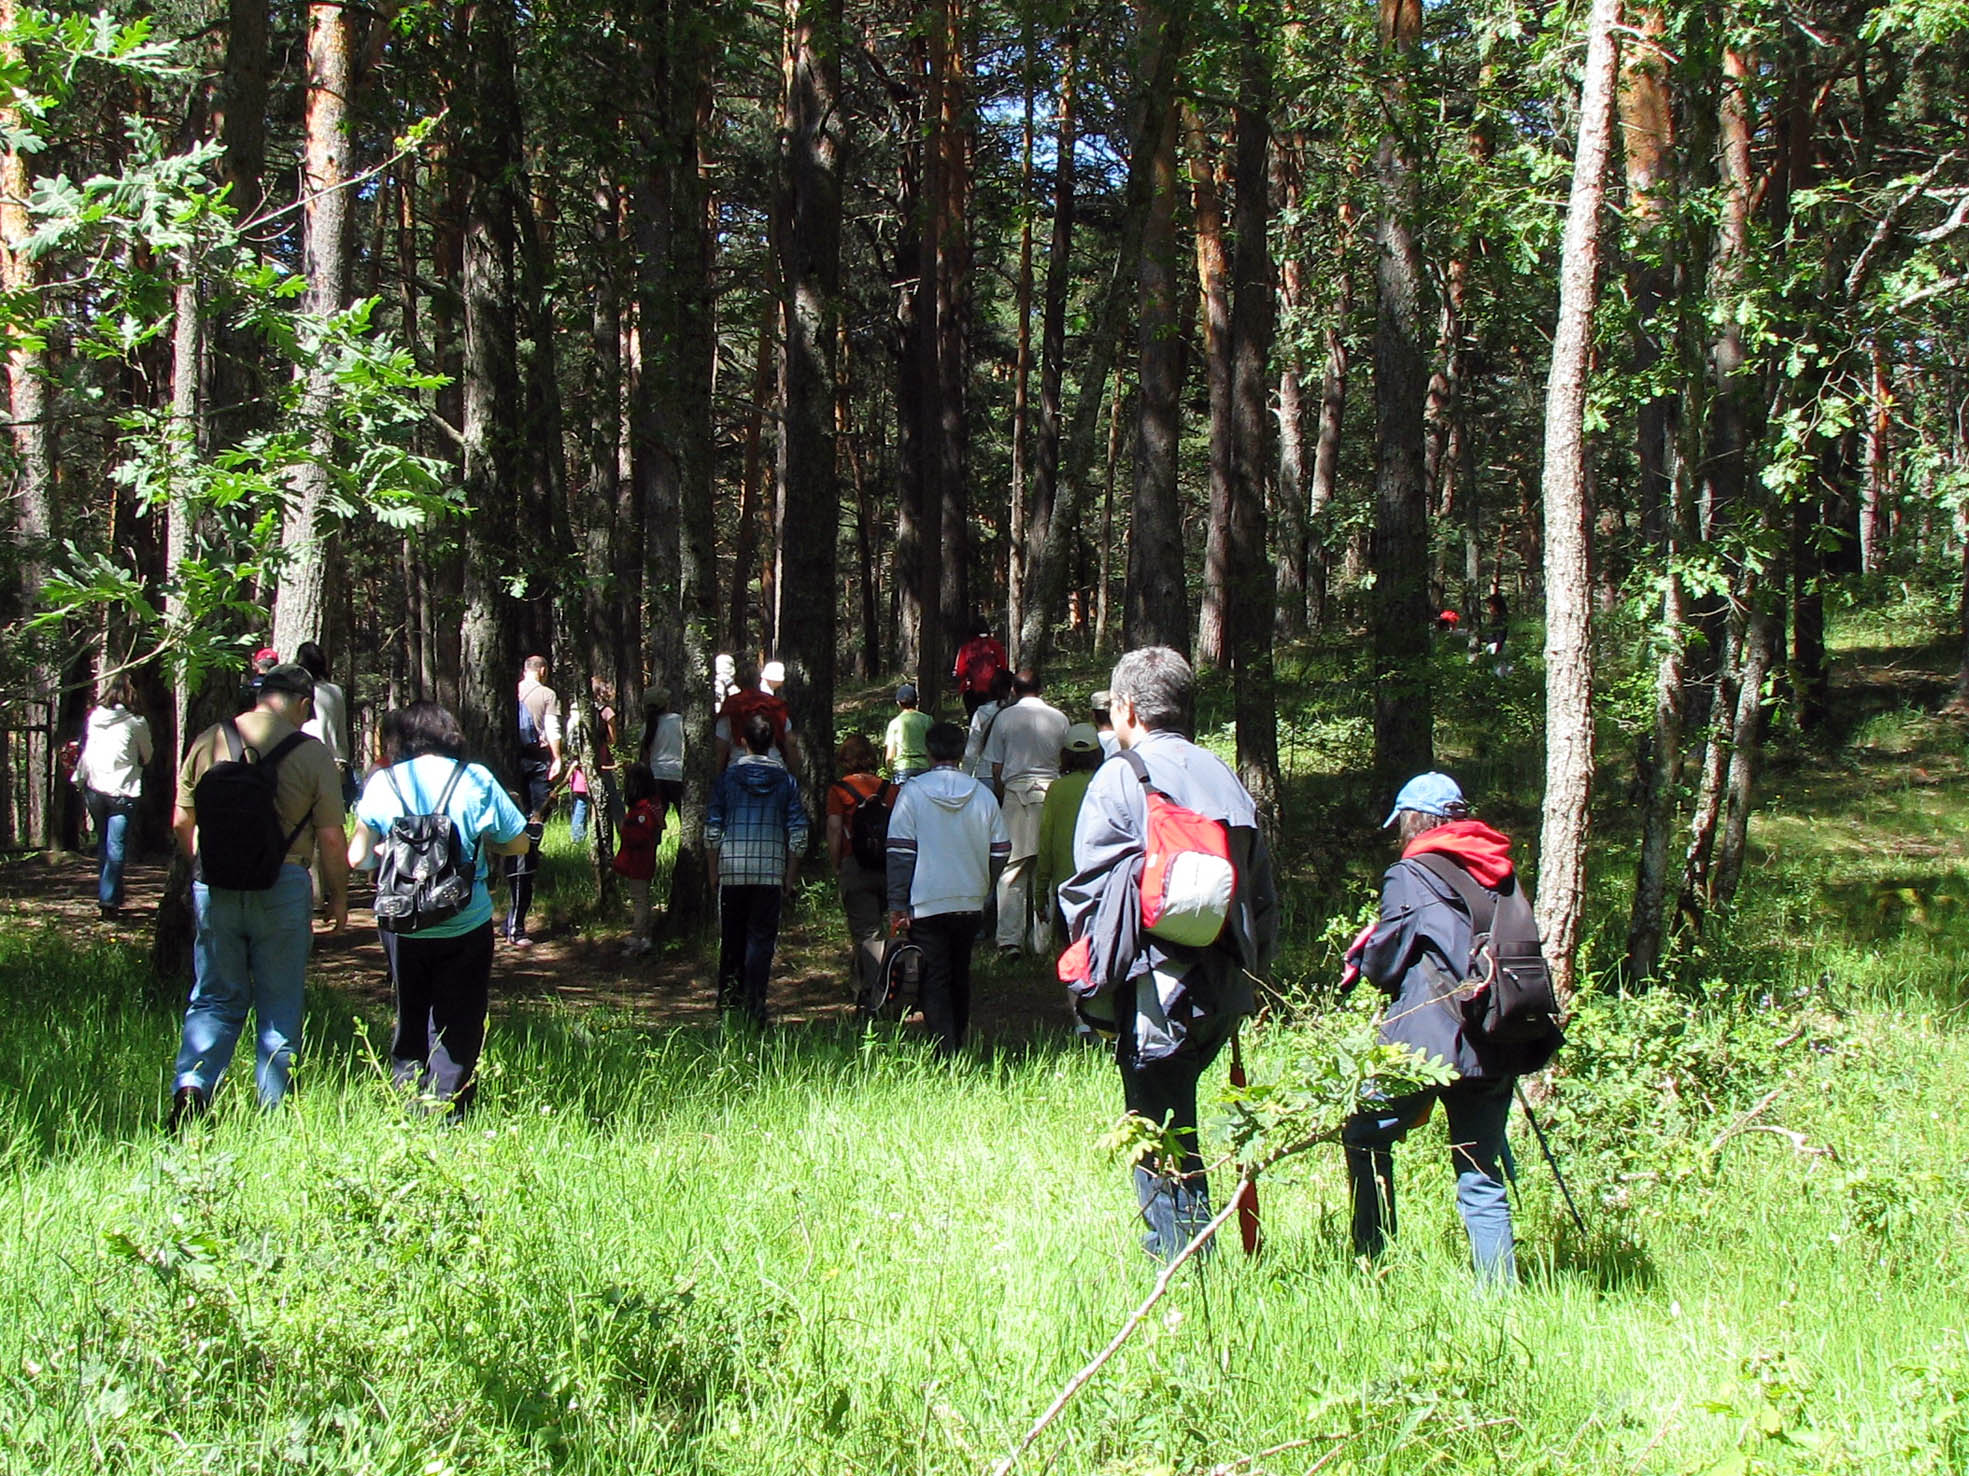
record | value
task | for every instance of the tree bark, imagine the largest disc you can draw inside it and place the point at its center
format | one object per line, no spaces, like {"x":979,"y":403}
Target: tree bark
{"x":1251,"y":588}
{"x":1568,"y":573}
{"x":489,"y":656}
{"x":33,"y":492}
{"x":1290,"y":493}
{"x":1213,"y":272}
{"x":1015,"y":511}
{"x":810,"y":264}
{"x":1036,"y":612}
{"x":1404,"y":740}
{"x":1156,"y":611}
{"x":307,"y":533}
{"x":1332,"y":418}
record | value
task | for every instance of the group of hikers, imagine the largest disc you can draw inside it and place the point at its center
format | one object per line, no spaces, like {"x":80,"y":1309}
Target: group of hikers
{"x":1118,"y":843}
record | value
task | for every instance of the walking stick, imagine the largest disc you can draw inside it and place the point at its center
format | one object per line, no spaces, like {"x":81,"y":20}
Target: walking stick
{"x":1247,"y":1189}
{"x":1550,"y":1162}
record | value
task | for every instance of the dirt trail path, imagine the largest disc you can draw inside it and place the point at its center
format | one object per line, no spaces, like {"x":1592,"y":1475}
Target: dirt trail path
{"x":675,"y":987}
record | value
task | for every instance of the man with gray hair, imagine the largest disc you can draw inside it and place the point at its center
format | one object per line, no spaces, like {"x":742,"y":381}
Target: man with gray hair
{"x":1172,"y":1007}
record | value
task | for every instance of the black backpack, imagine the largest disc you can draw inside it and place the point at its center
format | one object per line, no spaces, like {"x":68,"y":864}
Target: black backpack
{"x":1507,"y":998}
{"x":241,"y":842}
{"x":425,"y":872}
{"x":868,"y":825}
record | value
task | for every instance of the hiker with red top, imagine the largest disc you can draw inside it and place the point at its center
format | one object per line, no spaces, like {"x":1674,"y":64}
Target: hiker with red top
{"x":1172,"y":979}
{"x":979,"y":660}
{"x":1418,"y":954}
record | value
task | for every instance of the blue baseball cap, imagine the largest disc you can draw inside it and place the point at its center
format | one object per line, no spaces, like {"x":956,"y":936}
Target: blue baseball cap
{"x":1430,"y":794}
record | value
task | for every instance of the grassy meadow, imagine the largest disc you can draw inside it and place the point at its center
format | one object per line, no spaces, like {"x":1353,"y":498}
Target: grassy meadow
{"x":690,"y":1250}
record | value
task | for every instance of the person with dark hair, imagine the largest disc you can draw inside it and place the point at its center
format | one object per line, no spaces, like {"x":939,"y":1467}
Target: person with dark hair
{"x":754,"y":834}
{"x":1173,"y":1007}
{"x":442,"y":973}
{"x":1024,"y":754}
{"x":864,"y":887}
{"x":635,"y":860}
{"x":903,"y":743}
{"x":540,"y":760}
{"x":979,"y":660}
{"x":947,"y":843}
{"x":110,"y":773}
{"x":662,"y":747}
{"x":1421,"y":942}
{"x":253,"y":936}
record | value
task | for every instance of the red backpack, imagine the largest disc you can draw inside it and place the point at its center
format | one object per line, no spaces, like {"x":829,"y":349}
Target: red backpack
{"x":1188,"y":878}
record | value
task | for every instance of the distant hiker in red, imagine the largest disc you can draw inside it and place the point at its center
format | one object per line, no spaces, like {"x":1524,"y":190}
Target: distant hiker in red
{"x":1418,"y":954}
{"x":635,"y":861}
{"x":979,"y":660}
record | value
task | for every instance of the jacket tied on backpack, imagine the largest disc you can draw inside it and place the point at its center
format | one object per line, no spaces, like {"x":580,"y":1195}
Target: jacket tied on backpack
{"x":1418,"y":954}
{"x":1103,"y":900}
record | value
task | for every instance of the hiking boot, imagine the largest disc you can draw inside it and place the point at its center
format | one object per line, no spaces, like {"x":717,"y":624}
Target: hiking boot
{"x":188,"y":1103}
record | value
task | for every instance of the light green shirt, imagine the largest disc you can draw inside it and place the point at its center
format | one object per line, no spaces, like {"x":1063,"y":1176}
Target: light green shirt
{"x":907,"y":751}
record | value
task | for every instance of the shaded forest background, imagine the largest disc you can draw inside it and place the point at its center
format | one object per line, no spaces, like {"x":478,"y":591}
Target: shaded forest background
{"x":445,"y":333}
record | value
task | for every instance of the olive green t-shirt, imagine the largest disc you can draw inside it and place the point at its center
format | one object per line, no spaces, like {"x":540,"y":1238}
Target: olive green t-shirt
{"x":306,"y":785}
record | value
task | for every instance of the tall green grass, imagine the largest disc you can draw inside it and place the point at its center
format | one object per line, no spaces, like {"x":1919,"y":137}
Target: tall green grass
{"x":812,"y":1251}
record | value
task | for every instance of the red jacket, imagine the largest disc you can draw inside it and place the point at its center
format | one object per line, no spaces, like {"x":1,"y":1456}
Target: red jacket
{"x":979,"y":660}
{"x":635,"y":858}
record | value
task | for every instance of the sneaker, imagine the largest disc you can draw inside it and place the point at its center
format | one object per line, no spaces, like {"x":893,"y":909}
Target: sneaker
{"x":1009,"y":951}
{"x":520,"y":940}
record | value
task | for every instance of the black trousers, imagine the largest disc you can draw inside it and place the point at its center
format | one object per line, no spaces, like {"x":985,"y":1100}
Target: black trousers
{"x":946,"y":939}
{"x":521,"y":870}
{"x":747,"y":935}
{"x":443,"y":987}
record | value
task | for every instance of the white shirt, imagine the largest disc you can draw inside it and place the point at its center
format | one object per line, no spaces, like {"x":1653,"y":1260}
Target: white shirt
{"x":114,"y":752}
{"x":663,"y":747}
{"x":1027,"y":738}
{"x":330,"y":722}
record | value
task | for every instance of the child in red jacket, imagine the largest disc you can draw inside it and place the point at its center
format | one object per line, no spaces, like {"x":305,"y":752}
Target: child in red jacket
{"x":635,"y":859}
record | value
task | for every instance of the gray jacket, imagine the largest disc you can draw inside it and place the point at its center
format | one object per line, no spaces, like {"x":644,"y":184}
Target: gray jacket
{"x":1102,"y":900}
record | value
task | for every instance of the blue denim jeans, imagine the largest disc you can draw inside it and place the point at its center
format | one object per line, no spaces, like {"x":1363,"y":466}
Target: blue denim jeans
{"x":1477,"y":1113}
{"x":251,"y":950}
{"x":578,"y":823}
{"x":112,"y":815}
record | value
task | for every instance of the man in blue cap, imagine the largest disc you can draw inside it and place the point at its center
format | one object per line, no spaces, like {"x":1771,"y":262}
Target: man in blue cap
{"x":1417,"y":953}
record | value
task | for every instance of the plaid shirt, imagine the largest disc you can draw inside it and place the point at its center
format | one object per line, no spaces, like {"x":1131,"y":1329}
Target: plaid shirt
{"x":755,"y":817}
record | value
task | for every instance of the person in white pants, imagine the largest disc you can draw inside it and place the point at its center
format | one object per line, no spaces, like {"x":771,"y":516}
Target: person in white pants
{"x":1024,"y":754}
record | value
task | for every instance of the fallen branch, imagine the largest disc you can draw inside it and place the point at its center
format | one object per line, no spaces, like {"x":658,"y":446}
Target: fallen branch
{"x":1135,"y":1319}
{"x":1799,"y":1142}
{"x":1231,"y":1468}
{"x":1748,"y":1124}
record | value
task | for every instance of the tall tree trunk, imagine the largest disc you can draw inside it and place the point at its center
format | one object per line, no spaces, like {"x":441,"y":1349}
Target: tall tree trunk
{"x":1104,"y":573}
{"x":1568,"y":589}
{"x":1404,"y":739}
{"x":608,"y":604}
{"x":492,"y":404}
{"x":1035,"y":611}
{"x":1157,"y":606}
{"x":307,"y":532}
{"x":953,"y":347}
{"x":745,"y":545}
{"x":1332,"y":418}
{"x":1290,"y":495}
{"x":1213,"y":272}
{"x":694,"y":361}
{"x":810,"y":264}
{"x":1647,"y":131}
{"x":1877,"y":490}
{"x":33,"y":492}
{"x":1015,"y":512}
{"x":1251,"y":588}
{"x":1763,"y":637}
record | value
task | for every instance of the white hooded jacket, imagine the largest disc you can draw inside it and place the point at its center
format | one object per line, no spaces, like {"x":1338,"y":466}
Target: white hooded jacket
{"x":945,"y":833}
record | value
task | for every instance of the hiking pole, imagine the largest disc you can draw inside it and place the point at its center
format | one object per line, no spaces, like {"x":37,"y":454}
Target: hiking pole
{"x":1550,"y":1162}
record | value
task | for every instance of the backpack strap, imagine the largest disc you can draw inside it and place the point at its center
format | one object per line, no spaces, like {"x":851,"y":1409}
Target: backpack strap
{"x":1479,"y":901}
{"x":235,"y":745}
{"x":1139,"y":764}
